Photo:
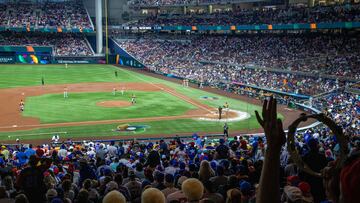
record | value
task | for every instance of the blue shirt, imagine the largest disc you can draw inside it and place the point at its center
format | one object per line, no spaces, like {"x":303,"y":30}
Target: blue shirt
{"x":30,"y":152}
{"x":21,"y":156}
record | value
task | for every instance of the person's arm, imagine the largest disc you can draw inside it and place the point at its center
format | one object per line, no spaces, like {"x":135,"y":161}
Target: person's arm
{"x":269,"y":187}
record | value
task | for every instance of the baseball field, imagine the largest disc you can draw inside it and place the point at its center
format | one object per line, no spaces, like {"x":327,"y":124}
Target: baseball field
{"x":99,"y":105}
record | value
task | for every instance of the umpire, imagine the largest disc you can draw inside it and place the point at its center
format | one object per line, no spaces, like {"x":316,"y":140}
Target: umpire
{"x":220,"y":111}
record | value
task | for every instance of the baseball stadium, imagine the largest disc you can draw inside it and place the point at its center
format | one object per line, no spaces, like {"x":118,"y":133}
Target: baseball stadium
{"x":158,"y":101}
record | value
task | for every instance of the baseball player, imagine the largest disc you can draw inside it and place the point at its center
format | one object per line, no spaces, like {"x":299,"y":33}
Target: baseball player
{"x":22,"y":105}
{"x":65,"y":92}
{"x":220,"y":112}
{"x":55,"y":138}
{"x":226,"y":130}
{"x":226,"y":106}
{"x":114,"y":91}
{"x":122,"y":90}
{"x":66,"y":65}
{"x":133,"y":99}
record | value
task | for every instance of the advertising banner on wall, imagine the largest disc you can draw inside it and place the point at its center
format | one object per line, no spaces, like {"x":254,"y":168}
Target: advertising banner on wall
{"x":7,"y":59}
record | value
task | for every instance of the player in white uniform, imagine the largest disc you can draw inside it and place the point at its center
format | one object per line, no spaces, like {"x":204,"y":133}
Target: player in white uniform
{"x":65,"y":92}
{"x":133,"y":99}
{"x":22,"y":105}
{"x":55,"y":138}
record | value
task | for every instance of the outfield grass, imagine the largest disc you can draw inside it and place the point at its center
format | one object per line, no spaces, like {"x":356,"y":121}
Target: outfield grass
{"x":28,"y":75}
{"x":53,"y":108}
{"x":171,"y":127}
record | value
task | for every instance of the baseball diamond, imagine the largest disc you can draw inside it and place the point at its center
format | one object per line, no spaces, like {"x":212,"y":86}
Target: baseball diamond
{"x":158,"y":99}
{"x":179,"y":101}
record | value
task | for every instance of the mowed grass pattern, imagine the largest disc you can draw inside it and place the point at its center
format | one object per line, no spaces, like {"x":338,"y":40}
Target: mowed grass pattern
{"x":31,"y":75}
{"x":165,"y":128}
{"x":54,"y":108}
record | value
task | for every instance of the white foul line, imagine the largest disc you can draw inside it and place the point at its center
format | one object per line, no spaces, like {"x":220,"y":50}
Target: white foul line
{"x":175,"y":94}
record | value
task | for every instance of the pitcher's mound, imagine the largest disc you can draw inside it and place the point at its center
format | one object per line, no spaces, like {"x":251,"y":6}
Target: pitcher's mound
{"x":114,"y":103}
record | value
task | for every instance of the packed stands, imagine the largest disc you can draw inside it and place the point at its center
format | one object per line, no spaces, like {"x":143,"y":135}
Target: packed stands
{"x":213,"y":59}
{"x":344,"y":108}
{"x":3,"y":15}
{"x":64,"y":44}
{"x":319,"y":14}
{"x":202,"y":169}
{"x":213,"y":169}
{"x":335,"y":54}
{"x":159,"y":2}
{"x":71,"y":14}
{"x":21,"y":15}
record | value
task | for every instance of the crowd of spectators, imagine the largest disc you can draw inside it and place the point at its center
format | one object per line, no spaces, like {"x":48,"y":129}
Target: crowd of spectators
{"x":177,"y":170}
{"x":64,"y":44}
{"x":21,"y":15}
{"x":343,"y":108}
{"x":71,"y":14}
{"x":233,"y":59}
{"x":318,"y":14}
{"x":3,"y":16}
{"x":159,"y":2}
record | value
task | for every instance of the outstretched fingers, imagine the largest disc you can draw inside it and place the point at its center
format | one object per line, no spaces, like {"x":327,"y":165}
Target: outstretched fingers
{"x":264,"y":109}
{"x":280,"y":127}
{"x":273,"y":110}
{"x":259,"y":118}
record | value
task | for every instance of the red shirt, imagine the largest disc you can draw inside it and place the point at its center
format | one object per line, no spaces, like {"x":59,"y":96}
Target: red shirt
{"x":39,"y":152}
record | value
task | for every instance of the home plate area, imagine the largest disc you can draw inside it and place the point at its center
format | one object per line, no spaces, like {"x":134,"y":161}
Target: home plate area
{"x":226,"y":116}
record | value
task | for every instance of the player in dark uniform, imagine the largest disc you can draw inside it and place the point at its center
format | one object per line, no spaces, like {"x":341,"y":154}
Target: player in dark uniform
{"x":220,"y":112}
{"x":226,"y":130}
{"x":42,"y":81}
{"x":116,"y":73}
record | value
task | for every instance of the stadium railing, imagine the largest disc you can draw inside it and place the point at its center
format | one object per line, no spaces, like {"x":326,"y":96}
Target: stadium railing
{"x":296,"y":26}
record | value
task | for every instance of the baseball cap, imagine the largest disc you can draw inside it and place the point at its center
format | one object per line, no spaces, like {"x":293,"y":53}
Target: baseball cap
{"x":245,"y":187}
{"x":145,"y":183}
{"x":304,"y":187}
{"x":293,"y":180}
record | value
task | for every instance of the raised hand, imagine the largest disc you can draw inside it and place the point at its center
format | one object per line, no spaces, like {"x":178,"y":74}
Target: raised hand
{"x":273,"y":128}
